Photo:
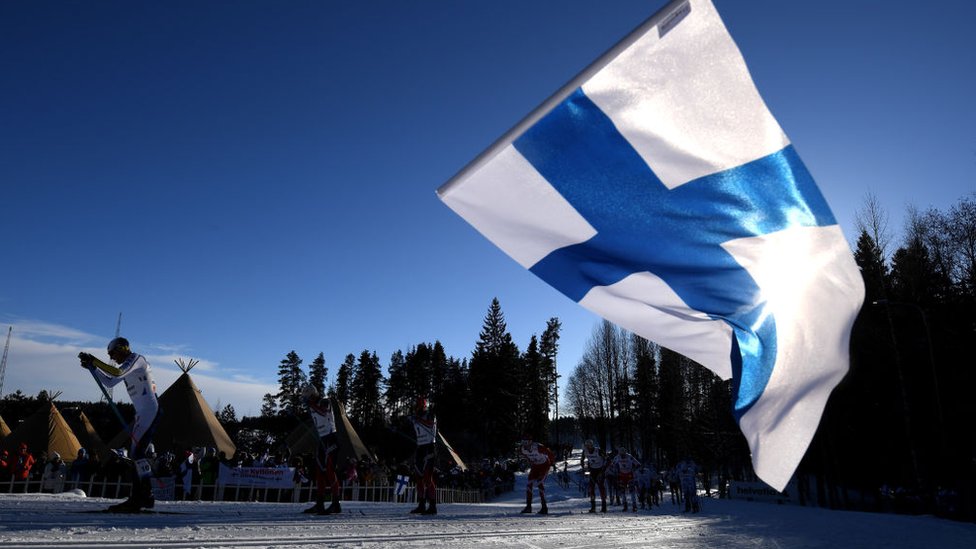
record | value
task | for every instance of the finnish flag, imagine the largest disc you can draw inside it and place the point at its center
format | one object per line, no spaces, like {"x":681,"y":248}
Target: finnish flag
{"x":401,"y":484}
{"x":657,"y":190}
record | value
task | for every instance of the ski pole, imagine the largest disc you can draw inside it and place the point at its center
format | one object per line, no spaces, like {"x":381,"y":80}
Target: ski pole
{"x":108,"y":397}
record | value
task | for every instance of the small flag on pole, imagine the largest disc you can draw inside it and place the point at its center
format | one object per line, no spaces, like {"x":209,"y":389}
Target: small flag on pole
{"x":401,"y":484}
{"x":657,"y":190}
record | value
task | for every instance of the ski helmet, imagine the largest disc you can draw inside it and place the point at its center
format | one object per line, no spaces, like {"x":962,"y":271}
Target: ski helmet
{"x":119,"y":343}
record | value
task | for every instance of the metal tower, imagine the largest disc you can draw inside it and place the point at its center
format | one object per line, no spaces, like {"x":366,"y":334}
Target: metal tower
{"x":3,"y":361}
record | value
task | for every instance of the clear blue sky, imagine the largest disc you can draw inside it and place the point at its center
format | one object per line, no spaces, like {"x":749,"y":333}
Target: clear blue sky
{"x":242,"y":179}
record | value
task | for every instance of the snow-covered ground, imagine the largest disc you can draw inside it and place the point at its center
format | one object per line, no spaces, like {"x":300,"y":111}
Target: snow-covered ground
{"x":66,"y":520}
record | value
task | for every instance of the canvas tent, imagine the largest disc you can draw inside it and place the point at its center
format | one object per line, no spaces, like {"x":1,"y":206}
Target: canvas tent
{"x":44,"y":431}
{"x":4,"y":430}
{"x":86,"y":434}
{"x":304,"y":439}
{"x":186,"y":421}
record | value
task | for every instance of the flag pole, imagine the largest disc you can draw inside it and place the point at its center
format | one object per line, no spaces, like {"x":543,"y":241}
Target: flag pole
{"x":670,"y":14}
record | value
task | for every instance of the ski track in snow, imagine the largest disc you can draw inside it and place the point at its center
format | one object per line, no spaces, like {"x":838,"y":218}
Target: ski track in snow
{"x":70,"y":521}
{"x":282,"y":525}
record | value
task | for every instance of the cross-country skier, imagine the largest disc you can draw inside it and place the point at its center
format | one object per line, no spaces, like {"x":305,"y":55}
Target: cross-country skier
{"x":626,"y":465}
{"x":687,"y":471}
{"x":595,"y":463}
{"x":540,"y":461}
{"x":134,"y":370}
{"x":647,"y":486}
{"x":325,"y":454}
{"x":425,"y":458}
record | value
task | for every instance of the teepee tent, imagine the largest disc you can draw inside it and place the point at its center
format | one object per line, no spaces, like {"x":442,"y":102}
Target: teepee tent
{"x":44,"y":431}
{"x":86,"y":434}
{"x":305,"y":440}
{"x":185,"y":420}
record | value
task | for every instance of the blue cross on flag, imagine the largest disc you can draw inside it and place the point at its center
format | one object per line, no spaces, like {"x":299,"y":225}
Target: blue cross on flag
{"x":401,"y":484}
{"x":657,"y":190}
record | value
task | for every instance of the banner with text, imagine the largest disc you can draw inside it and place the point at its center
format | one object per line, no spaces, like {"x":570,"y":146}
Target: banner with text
{"x":259,"y":477}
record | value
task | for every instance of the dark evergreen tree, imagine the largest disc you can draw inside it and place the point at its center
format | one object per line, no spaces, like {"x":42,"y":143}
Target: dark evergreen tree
{"x":342,"y":388}
{"x":318,"y":373}
{"x":674,"y":413}
{"x":420,"y":371}
{"x":364,"y":391}
{"x":269,"y":406}
{"x":452,"y":398}
{"x":397,"y":395}
{"x":438,"y":371}
{"x":912,"y":272}
{"x":492,"y":375}
{"x":962,"y":228}
{"x":646,"y":396}
{"x":291,"y":380}
{"x":548,"y":349}
{"x":533,"y":392}
{"x":873,"y":269}
{"x":227,"y":415}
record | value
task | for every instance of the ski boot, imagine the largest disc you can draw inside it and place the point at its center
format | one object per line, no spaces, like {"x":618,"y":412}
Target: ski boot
{"x":544,"y":510}
{"x":592,"y":506}
{"x":332,"y":509}
{"x":431,"y":508}
{"x":421,"y":506}
{"x":146,"y":498}
{"x":603,"y":507}
{"x":318,"y":508}
{"x":130,"y":505}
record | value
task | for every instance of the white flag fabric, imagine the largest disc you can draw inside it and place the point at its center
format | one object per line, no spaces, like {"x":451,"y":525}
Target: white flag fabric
{"x":658,"y":191}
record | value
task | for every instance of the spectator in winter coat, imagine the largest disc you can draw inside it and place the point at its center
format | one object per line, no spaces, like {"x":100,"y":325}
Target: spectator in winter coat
{"x":80,"y":471}
{"x":5,"y":472}
{"x":37,"y":472}
{"x":52,"y":479}
{"x":209,"y":466}
{"x":184,"y":477}
{"x":22,"y":464}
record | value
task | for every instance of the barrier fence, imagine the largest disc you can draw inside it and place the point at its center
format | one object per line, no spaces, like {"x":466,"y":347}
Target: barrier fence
{"x":166,"y":489}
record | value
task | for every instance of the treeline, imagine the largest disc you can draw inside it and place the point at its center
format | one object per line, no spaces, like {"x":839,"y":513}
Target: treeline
{"x":483,"y":403}
{"x":628,"y":391}
{"x":903,"y":416}
{"x":901,"y":420}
